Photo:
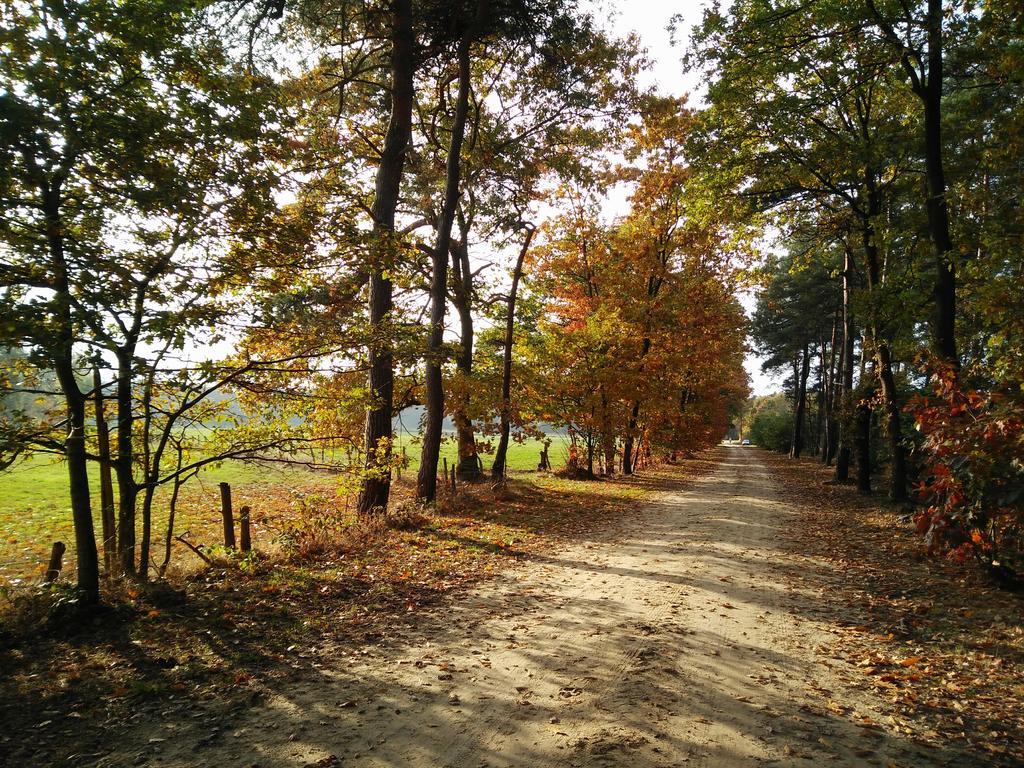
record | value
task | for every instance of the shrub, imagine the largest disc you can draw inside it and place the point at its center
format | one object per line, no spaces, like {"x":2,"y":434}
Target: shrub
{"x":314,"y":528}
{"x":973,"y":470}
{"x":406,"y":516}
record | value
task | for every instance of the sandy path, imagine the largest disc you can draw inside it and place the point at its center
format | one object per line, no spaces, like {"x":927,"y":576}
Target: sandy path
{"x":677,"y":644}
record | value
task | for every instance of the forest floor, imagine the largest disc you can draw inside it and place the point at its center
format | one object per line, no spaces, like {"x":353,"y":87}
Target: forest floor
{"x":750,"y":615}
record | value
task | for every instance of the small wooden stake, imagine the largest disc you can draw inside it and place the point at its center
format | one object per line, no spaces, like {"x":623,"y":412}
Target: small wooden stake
{"x":246,"y":534}
{"x":56,"y":562}
{"x":225,"y":510}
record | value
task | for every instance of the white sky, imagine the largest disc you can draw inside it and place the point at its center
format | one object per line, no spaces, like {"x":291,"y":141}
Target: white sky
{"x":650,"y":20}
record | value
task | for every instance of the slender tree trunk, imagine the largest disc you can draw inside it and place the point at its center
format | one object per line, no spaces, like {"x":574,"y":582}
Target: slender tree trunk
{"x":944,"y":319}
{"x":828,"y":441}
{"x":86,"y":556}
{"x":107,"y":513}
{"x":628,"y":441}
{"x":926,"y":81}
{"x":172,"y":509}
{"x":634,"y":416}
{"x":883,"y":355}
{"x":898,"y":469}
{"x":469,"y":462}
{"x":590,"y":447}
{"x":426,"y":483}
{"x":147,"y":529}
{"x":801,"y":403}
{"x":498,"y":468}
{"x":819,"y":416}
{"x":376,"y":484}
{"x":843,"y":457}
{"x":862,"y":437}
{"x":127,"y":489}
{"x":834,"y":393}
{"x":862,"y":444}
{"x":607,"y":439}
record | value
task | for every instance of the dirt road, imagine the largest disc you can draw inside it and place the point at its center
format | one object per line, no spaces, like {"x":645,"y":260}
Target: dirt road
{"x":679,"y":643}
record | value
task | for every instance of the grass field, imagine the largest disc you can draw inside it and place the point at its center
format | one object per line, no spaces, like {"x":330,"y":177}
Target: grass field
{"x":35,"y":507}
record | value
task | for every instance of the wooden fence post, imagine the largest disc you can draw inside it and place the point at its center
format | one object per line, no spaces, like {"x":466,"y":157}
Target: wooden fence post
{"x":246,"y":537}
{"x":56,"y":562}
{"x":225,"y":510}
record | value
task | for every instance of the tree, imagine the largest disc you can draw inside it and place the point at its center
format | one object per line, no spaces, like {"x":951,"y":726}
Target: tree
{"x":820,"y":120}
{"x":532,"y":118}
{"x":376,"y":486}
{"x":498,"y":467}
{"x":131,"y":143}
{"x":917,"y":37}
{"x":554,"y":68}
{"x":426,"y":486}
{"x":789,"y":323}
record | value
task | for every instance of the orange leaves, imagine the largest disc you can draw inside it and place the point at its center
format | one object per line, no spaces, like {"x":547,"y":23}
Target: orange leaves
{"x":972,"y":442}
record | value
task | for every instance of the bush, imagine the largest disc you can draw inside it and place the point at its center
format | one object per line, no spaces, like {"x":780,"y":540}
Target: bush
{"x":973,"y":470}
{"x":314,"y":528}
{"x":406,"y":516}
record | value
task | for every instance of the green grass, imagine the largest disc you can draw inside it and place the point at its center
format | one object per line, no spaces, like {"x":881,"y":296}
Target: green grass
{"x":35,"y":508}
{"x":521,"y":456}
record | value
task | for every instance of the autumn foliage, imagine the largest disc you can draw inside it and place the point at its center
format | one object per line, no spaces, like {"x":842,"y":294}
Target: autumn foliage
{"x":973,"y":478}
{"x":640,"y":342}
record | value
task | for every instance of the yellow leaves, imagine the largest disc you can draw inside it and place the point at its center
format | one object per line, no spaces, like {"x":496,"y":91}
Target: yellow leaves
{"x":836,"y":707}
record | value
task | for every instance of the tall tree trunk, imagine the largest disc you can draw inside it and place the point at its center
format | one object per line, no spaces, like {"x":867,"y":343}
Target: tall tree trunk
{"x":376,"y":484}
{"x":127,"y":489}
{"x":926,"y":80}
{"x":498,"y":467}
{"x":426,"y":482}
{"x":862,"y":442}
{"x":628,"y":441}
{"x":607,"y":438}
{"x":86,"y":556}
{"x":898,"y":469}
{"x":590,"y":447}
{"x":842,"y":473}
{"x":634,"y":417}
{"x":943,"y":323}
{"x":864,"y":395}
{"x":801,"y":403}
{"x":828,"y":441}
{"x":819,"y":416}
{"x":172,"y":509}
{"x":883,"y":354}
{"x":107,"y":512}
{"x":469,"y":462}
